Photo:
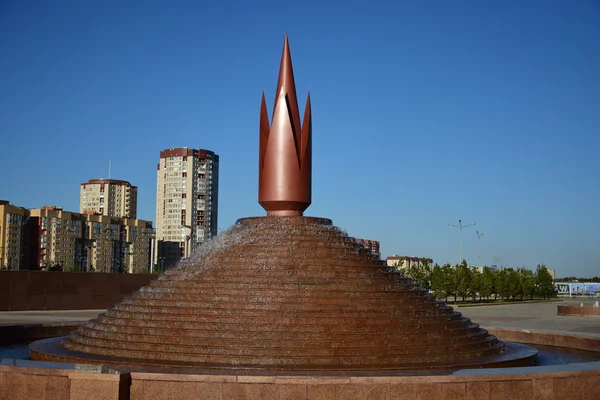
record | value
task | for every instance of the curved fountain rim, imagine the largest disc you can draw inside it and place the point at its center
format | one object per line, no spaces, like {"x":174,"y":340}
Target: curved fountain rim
{"x":573,"y":367}
{"x":52,"y":346}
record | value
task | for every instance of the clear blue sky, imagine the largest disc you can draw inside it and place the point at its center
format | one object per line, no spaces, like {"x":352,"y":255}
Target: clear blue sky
{"x":423,"y":113}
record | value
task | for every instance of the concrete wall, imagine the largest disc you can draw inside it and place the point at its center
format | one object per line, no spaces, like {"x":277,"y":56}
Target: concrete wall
{"x":38,"y":290}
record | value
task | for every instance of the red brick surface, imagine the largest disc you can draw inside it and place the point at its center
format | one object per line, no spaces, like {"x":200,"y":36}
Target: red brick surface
{"x":38,"y":290}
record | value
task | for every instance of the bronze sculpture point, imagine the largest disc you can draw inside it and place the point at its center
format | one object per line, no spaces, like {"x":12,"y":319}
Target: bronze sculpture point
{"x":285,"y":155}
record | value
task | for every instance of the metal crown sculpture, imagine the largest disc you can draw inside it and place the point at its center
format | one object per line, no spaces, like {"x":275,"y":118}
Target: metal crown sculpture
{"x":285,"y":159}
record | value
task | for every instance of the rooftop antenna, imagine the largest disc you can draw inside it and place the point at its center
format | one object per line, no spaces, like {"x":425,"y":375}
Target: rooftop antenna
{"x":109,"y":165}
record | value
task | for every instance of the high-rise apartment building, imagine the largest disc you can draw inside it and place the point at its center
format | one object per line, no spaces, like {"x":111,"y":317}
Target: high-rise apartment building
{"x":110,"y":197}
{"x":187,"y":197}
{"x":12,"y":221}
{"x":87,"y":242}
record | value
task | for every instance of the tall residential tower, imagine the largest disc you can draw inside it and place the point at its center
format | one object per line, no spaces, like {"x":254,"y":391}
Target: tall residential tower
{"x":110,"y":197}
{"x":187,"y":197}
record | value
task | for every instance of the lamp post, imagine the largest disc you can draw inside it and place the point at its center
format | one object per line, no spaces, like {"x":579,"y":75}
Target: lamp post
{"x":479,"y":235}
{"x":460,"y":226}
{"x":187,"y":249}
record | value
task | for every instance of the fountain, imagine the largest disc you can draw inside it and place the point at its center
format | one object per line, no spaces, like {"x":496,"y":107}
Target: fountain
{"x":283,"y":292}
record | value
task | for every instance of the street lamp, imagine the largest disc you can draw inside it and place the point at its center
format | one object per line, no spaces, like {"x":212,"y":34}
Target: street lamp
{"x":187,"y":251}
{"x":479,"y":235}
{"x":460,"y":226}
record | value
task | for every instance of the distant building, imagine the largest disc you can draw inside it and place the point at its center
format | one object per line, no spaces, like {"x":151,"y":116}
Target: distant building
{"x":480,"y":269}
{"x":88,"y":241}
{"x":110,"y":197}
{"x":12,"y":221}
{"x":187,"y":198}
{"x":371,"y":245}
{"x":402,"y":262}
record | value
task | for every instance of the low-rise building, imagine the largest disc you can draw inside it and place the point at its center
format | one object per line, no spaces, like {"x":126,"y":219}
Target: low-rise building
{"x":403,"y":262}
{"x":372,"y":246}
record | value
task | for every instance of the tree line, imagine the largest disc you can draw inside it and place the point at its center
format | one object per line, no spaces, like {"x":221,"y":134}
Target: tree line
{"x":462,"y":281}
{"x":579,"y":280}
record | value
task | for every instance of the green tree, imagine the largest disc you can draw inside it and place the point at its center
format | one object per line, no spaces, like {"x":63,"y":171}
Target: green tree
{"x":527,"y":280}
{"x":438,"y":284}
{"x":464,"y":280}
{"x":476,"y":283}
{"x":71,"y":268}
{"x":514,"y":283}
{"x":450,"y":280}
{"x":420,"y":272}
{"x":543,"y":282}
{"x":488,"y":283}
{"x":502,"y":283}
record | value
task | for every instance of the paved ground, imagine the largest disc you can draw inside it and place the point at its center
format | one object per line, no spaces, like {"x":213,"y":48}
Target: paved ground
{"x":532,"y":316}
{"x":46,"y":317}
{"x":529,"y":316}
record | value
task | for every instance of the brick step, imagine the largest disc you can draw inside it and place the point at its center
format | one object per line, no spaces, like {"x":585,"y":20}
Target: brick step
{"x":315,"y":295}
{"x":304,"y":362}
{"x":265,"y":349}
{"x":193,"y":277}
{"x":296,"y":304}
{"x":187,"y":308}
{"x":300,"y":277}
{"x":326,"y":325}
{"x":298,"y":341}
{"x":280,"y":334}
{"x":291,"y":303}
{"x":286,"y":303}
{"x":362,"y":285}
{"x":281,"y":271}
{"x":292,"y":319}
{"x":201,"y":287}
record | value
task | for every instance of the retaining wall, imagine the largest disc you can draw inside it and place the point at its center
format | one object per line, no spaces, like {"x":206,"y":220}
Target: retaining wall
{"x":579,"y":311}
{"x":40,"y":290}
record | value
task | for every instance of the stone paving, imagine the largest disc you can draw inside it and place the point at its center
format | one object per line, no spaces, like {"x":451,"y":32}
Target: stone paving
{"x":53,"y":317}
{"x":533,"y":316}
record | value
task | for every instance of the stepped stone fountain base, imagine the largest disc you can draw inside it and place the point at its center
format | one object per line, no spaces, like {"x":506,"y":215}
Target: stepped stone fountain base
{"x":287,"y":294}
